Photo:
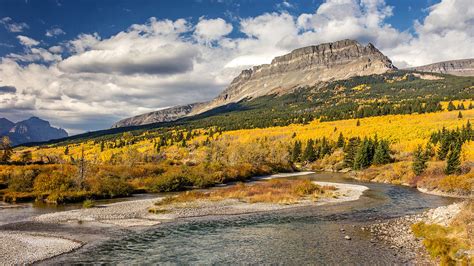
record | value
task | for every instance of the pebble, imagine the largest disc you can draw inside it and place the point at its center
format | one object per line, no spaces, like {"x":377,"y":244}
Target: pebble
{"x":347,"y":237}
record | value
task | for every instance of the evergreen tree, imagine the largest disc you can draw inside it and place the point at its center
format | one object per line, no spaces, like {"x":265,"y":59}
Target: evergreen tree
{"x":66,"y":150}
{"x":309,"y":154}
{"x":362,"y":158}
{"x":453,"y":161}
{"x":459,"y":115}
{"x":444,"y":147}
{"x":350,"y":151}
{"x":340,"y":141}
{"x":358,"y":123}
{"x":102,"y":146}
{"x":419,"y":160}
{"x":296,"y":153}
{"x":429,"y":150}
{"x":382,"y":153}
{"x":451,"y":106}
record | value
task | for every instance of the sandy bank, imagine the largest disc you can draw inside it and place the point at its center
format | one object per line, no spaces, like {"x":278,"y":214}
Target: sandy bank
{"x":26,"y":248}
{"x":199,"y":208}
{"x":127,"y":213}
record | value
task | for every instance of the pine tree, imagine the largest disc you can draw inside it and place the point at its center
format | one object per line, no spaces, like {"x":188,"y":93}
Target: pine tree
{"x":358,"y":123}
{"x":296,"y":153}
{"x":444,"y":147}
{"x":340,"y":141}
{"x":66,"y":150}
{"x":453,"y":161}
{"x":350,"y":151}
{"x":459,"y":115}
{"x":451,"y":106}
{"x":382,"y":153}
{"x":309,"y":154}
{"x":362,"y":158}
{"x":102,"y":146}
{"x":419,"y":160}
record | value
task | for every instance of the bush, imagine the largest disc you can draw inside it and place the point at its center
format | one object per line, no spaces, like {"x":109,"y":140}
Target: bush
{"x":170,"y":182}
{"x":21,"y":180}
{"x":88,"y":203}
{"x":55,"y":182}
{"x":106,"y":185}
{"x":437,"y":241}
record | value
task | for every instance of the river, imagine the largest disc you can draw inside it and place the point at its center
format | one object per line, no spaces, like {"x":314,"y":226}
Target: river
{"x":293,"y":236}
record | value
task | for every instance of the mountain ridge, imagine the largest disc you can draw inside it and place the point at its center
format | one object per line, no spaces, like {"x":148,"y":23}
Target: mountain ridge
{"x":460,"y":67}
{"x":32,"y":129}
{"x":302,"y":67}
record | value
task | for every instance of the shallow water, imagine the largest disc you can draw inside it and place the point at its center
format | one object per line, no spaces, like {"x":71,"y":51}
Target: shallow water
{"x":309,"y":235}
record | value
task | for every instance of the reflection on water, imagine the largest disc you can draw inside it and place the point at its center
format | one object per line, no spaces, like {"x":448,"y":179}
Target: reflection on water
{"x":294,"y":236}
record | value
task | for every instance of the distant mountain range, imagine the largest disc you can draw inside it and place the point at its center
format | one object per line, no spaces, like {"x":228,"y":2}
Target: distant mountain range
{"x":32,"y":129}
{"x":463,"y":67}
{"x":302,"y":67}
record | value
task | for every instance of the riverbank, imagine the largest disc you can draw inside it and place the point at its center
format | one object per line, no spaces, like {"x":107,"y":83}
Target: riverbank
{"x":49,"y":235}
{"x":398,"y":233}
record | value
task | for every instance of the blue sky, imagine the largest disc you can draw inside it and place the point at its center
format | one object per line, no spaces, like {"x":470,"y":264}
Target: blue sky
{"x":86,"y":64}
{"x":110,"y":17}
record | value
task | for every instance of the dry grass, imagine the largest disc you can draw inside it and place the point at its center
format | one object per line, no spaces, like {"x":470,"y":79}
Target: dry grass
{"x":452,"y":244}
{"x":280,"y":191}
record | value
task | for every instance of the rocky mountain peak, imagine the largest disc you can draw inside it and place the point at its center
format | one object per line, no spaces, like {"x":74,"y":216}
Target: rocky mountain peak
{"x":306,"y":66}
{"x":33,"y":129}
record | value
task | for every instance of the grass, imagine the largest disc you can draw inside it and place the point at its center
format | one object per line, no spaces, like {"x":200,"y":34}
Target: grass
{"x":88,"y":203}
{"x":280,"y":191}
{"x":448,"y":244}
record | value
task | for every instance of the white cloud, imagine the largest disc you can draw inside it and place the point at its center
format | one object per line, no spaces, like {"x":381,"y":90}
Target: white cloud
{"x":164,"y":62}
{"x":56,"y":49}
{"x":54,"y":31}
{"x":27,"y":41}
{"x":212,"y":29}
{"x":12,"y":26}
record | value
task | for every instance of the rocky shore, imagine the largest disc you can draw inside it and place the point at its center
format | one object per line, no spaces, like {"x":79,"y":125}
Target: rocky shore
{"x":398,"y":235}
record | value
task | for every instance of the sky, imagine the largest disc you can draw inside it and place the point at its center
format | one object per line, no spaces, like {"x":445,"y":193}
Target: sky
{"x":84,"y":64}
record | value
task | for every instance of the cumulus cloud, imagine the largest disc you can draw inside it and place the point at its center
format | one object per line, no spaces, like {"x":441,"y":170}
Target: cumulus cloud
{"x":12,"y":26}
{"x":27,"y":41}
{"x":163,"y":63}
{"x":54,"y":31}
{"x":212,"y":29}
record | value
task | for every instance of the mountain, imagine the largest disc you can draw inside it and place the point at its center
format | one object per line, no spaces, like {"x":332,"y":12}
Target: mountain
{"x":302,"y":67}
{"x":463,"y":67}
{"x":5,"y":125}
{"x":33,"y":129}
{"x":164,"y":115}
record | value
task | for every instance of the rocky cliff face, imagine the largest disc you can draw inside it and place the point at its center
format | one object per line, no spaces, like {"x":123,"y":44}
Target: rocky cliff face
{"x":33,"y":129}
{"x":302,"y":67}
{"x":463,"y":67}
{"x":164,"y":115}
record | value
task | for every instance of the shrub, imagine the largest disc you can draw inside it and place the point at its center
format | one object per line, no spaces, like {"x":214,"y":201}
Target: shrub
{"x":21,"y":180}
{"x":106,"y":185}
{"x":55,"y":182}
{"x":170,"y":182}
{"x":88,"y":203}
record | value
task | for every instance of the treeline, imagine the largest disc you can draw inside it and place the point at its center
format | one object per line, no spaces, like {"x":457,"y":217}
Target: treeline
{"x":358,"y":153}
{"x":450,"y":146}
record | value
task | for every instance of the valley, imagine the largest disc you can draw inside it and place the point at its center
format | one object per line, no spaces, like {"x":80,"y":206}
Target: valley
{"x":341,"y":110}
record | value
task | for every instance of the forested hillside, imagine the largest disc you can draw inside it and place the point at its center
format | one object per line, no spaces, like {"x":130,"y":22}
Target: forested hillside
{"x":399,"y":127}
